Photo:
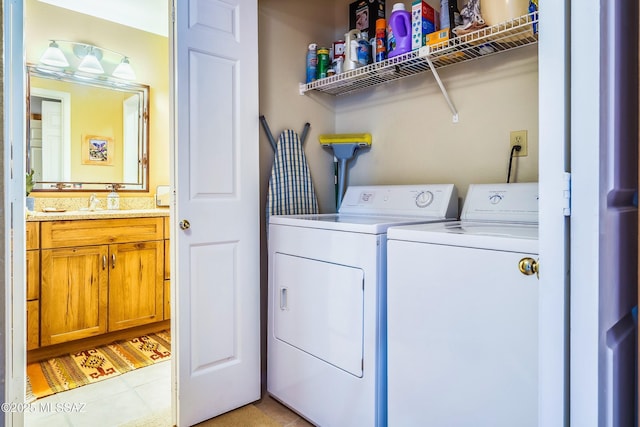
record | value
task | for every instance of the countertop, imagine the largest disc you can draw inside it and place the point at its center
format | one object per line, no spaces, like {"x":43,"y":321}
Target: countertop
{"x":97,"y":214}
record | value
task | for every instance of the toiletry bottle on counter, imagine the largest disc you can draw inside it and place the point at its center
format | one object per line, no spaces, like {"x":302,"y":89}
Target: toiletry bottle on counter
{"x":399,"y":31}
{"x":113,"y":200}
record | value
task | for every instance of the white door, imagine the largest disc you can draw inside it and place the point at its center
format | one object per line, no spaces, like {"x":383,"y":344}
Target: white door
{"x":553,"y":66}
{"x":52,"y":165}
{"x":215,"y":175}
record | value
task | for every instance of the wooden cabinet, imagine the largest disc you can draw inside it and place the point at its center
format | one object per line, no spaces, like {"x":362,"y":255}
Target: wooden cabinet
{"x":33,"y":285}
{"x":74,"y":293}
{"x":167,"y":270}
{"x":100,"y":276}
{"x":136,"y":284}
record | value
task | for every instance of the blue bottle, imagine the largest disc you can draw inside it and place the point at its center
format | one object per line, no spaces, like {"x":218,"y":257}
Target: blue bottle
{"x":312,"y":62}
{"x":399,"y":32}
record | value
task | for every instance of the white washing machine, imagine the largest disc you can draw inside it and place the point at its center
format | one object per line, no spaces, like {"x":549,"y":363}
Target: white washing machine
{"x":326,"y":344}
{"x":463,"y":318}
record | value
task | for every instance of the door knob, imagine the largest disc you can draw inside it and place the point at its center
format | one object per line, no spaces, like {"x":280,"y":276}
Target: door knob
{"x":528,"y":266}
{"x":184,"y":224}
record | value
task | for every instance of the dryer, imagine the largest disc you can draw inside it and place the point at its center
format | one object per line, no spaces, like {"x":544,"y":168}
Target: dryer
{"x":326,"y":344}
{"x":463,"y":317}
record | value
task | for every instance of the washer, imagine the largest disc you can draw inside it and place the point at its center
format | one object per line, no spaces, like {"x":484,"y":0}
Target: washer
{"x":326,"y":345}
{"x":462,"y":317}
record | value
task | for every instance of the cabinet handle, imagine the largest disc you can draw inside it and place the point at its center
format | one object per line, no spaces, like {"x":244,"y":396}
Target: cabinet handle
{"x":283,"y":299}
{"x":104,"y":262}
{"x":113,"y":260}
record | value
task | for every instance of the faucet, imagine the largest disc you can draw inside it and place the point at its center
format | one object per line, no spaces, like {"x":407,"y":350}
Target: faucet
{"x":93,"y":202}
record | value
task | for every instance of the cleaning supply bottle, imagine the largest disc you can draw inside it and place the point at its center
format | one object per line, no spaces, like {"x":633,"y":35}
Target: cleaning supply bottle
{"x":399,"y":31}
{"x":312,"y":62}
{"x":113,"y":200}
{"x":381,"y":39}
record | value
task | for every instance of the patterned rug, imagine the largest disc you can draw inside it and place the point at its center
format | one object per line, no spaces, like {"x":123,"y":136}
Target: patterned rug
{"x":89,"y":366}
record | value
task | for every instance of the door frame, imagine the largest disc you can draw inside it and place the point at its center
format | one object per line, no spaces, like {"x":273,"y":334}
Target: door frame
{"x":13,"y":300}
{"x":14,"y":130}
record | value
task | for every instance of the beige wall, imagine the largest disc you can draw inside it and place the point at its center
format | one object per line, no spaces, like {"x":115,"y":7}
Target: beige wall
{"x":414,"y":139}
{"x":149,"y":56}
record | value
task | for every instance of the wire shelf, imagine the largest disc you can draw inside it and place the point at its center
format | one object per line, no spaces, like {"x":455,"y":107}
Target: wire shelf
{"x":487,"y":41}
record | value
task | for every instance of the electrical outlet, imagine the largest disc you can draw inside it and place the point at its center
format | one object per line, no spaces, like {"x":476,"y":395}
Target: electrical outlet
{"x":519,"y":137}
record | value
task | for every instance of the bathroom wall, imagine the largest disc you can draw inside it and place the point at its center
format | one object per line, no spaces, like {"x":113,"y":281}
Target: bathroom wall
{"x":149,"y":56}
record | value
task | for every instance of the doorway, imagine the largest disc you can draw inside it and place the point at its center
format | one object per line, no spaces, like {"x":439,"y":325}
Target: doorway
{"x":136,"y":392}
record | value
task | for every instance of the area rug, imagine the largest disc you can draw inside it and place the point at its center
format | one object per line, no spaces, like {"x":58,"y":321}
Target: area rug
{"x":89,"y":366}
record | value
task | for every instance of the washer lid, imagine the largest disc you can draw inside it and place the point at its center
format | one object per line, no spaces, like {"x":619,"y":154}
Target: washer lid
{"x":512,"y":237}
{"x":516,"y":202}
{"x":369,"y":224}
{"x":373,"y":209}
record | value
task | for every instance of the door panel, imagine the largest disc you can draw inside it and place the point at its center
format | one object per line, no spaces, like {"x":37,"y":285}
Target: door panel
{"x":216,"y":280}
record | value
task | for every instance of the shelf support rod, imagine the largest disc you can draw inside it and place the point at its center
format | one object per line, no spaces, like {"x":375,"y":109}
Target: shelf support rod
{"x":442,"y":89}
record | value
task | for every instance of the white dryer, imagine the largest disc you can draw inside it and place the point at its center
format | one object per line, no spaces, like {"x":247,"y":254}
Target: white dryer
{"x":326,"y":344}
{"x":463,"y":318}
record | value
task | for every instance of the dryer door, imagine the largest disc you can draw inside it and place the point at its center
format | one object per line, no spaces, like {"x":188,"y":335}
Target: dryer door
{"x":318,"y":308}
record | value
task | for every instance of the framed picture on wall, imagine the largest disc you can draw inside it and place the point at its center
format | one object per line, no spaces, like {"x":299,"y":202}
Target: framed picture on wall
{"x":97,"y":150}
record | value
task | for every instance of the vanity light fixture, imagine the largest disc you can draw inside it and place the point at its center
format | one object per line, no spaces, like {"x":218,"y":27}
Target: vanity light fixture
{"x":92,"y":58}
{"x":53,"y":56}
{"x":124,"y":70}
{"x":90,"y":63}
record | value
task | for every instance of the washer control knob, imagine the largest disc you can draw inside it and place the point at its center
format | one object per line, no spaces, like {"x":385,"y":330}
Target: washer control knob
{"x":495,"y":199}
{"x":424,"y":199}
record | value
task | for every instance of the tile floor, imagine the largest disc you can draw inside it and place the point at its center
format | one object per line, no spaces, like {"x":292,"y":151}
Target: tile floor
{"x":116,"y":401}
{"x":136,"y":395}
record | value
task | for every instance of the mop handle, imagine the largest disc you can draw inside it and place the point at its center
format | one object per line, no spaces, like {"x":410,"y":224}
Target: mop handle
{"x":342,"y":172}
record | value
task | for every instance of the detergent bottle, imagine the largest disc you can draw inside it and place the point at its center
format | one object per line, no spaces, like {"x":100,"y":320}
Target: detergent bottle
{"x":399,"y":31}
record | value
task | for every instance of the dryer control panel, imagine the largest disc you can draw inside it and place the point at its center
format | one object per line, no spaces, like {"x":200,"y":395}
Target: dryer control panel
{"x":429,"y":200}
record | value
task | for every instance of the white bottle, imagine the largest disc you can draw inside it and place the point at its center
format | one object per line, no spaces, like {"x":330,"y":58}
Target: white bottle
{"x":113,"y":200}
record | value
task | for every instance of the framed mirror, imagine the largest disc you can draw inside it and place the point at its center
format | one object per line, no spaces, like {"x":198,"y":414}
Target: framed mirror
{"x":86,"y":134}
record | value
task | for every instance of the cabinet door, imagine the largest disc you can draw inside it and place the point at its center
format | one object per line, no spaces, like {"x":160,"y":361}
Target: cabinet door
{"x":136,"y":283}
{"x":73,"y":293}
{"x":167,"y":299}
{"x":33,"y":275}
{"x":33,"y":324}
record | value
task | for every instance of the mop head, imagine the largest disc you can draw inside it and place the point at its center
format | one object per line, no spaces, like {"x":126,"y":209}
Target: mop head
{"x":360,"y":139}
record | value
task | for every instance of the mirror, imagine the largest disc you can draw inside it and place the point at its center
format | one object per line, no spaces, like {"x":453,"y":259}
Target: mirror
{"x":85,"y":134}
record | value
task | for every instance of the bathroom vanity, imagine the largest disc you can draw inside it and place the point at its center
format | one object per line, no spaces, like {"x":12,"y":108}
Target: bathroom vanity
{"x":95,"y":276}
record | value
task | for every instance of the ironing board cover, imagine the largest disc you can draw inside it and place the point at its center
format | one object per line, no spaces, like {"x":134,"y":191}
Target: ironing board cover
{"x":290,"y":188}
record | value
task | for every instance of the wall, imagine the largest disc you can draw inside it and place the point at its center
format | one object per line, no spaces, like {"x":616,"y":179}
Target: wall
{"x":149,"y":56}
{"x":414,"y":138}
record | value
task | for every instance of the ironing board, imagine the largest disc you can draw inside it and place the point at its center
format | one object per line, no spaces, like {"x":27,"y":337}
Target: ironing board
{"x":290,"y":190}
